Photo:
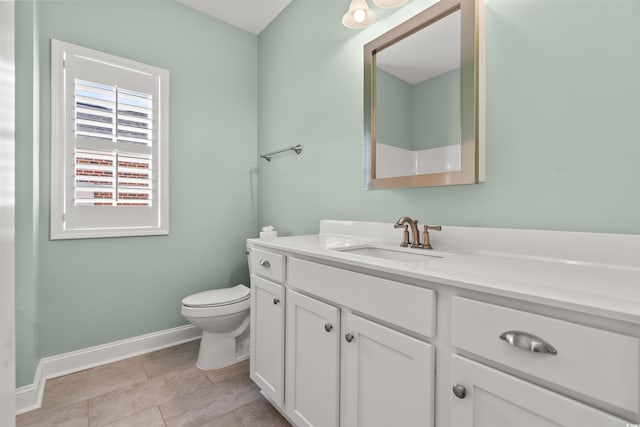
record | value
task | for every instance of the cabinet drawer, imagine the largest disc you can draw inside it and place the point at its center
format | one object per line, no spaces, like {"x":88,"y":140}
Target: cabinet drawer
{"x":600,"y":364}
{"x":268,"y":265}
{"x":406,"y":306}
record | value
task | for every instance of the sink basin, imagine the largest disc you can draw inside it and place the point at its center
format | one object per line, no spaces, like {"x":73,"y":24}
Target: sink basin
{"x":415,"y":256}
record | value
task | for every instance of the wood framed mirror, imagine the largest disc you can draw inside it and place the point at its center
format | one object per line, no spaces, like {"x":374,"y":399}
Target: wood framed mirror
{"x":424,"y":99}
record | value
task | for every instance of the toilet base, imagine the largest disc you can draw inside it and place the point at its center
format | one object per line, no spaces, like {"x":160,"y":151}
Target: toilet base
{"x":219,"y":350}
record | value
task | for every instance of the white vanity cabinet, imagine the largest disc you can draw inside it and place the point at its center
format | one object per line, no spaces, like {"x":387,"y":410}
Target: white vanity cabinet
{"x":267,"y":324}
{"x":313,"y":361}
{"x":267,"y":337}
{"x":565,"y":356}
{"x":387,"y":376}
{"x":491,"y":398}
{"x":354,"y":343}
{"x":341,"y":366}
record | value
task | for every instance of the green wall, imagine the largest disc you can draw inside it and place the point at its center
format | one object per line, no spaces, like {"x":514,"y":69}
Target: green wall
{"x":80,"y":293}
{"x":394,"y":115}
{"x":435,"y":120}
{"x":563,"y":79}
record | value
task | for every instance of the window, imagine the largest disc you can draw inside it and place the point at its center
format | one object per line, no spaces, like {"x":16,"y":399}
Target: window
{"x":109,"y":156}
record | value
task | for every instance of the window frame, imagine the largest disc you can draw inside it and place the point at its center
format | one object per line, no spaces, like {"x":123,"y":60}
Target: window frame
{"x":62,"y":152}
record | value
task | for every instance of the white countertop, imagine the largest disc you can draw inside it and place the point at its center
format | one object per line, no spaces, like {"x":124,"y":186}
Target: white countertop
{"x":593,"y":273}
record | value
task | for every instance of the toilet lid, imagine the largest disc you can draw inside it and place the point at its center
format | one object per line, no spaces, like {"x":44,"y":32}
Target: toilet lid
{"x":217,"y":297}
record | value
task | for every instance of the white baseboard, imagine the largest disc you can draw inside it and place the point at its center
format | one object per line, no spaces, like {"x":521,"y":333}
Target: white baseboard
{"x":29,"y":397}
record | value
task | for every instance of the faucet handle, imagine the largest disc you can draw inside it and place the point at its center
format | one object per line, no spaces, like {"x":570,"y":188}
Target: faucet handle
{"x":405,"y":236}
{"x":426,"y":241}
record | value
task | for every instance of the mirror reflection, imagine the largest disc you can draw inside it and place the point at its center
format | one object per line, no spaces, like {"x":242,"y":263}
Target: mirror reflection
{"x":424,"y":117}
{"x":418,"y":102}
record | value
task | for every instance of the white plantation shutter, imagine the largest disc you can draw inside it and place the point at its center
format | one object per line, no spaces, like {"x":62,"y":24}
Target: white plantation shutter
{"x":134,"y":180}
{"x":109,"y":156}
{"x":112,"y":116}
{"x":95,"y":178}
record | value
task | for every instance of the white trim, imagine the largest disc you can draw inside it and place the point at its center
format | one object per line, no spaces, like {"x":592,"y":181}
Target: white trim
{"x":29,"y":397}
{"x":57,"y":134}
{"x":7,"y":213}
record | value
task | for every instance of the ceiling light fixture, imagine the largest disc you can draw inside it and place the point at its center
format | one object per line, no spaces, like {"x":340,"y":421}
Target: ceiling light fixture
{"x":359,"y":15}
{"x":388,"y":4}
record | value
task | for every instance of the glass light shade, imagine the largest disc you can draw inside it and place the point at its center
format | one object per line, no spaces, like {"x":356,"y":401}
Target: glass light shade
{"x":388,"y":4}
{"x":359,"y":15}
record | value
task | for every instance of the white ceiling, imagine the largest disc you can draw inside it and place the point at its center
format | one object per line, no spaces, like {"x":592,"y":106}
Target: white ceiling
{"x":429,"y":52}
{"x":250,"y":15}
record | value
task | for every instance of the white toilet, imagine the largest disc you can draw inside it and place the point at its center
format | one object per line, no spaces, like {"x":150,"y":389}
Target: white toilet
{"x":223,"y":316}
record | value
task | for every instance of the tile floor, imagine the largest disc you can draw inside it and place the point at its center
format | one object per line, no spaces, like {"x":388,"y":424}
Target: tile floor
{"x":163,"y":388}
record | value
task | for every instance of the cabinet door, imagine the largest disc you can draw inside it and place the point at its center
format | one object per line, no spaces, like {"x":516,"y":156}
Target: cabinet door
{"x":313,"y":342}
{"x":387,"y":377}
{"x":493,"y":398}
{"x":267,"y":338}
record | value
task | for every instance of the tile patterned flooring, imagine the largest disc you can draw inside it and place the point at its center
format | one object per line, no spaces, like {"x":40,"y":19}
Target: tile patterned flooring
{"x":163,"y":388}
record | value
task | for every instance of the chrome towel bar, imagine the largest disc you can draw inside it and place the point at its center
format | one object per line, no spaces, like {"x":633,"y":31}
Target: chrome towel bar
{"x":296,"y":148}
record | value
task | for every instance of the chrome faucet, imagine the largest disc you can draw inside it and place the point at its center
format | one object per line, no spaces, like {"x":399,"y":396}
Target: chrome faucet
{"x":415,"y":234}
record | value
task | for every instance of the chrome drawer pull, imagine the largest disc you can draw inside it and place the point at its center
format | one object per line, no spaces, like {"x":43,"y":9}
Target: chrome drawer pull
{"x":264,"y":263}
{"x":276,"y":301}
{"x":528,"y":342}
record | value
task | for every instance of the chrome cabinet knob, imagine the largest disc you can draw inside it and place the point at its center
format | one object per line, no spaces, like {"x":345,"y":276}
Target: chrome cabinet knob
{"x":459,"y":390}
{"x":276,"y":301}
{"x":349,"y":337}
{"x":528,"y":342}
{"x":265,"y":263}
{"x":328,"y":327}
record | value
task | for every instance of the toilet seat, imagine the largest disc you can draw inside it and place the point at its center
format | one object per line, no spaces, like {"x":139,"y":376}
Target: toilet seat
{"x":217,"y":297}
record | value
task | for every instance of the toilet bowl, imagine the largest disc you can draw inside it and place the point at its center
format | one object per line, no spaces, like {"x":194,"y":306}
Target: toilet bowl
{"x":223,"y":316}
